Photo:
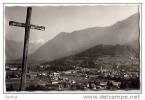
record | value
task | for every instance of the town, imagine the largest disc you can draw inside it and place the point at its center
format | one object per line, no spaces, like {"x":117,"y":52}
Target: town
{"x":74,"y":75}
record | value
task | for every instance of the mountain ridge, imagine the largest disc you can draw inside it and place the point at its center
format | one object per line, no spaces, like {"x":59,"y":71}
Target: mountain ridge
{"x":65,"y":44}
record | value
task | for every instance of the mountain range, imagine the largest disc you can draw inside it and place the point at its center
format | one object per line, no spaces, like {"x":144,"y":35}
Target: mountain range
{"x":124,"y":32}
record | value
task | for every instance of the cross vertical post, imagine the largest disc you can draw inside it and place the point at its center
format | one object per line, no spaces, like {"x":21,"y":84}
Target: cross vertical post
{"x":27,"y":27}
{"x":25,"y":49}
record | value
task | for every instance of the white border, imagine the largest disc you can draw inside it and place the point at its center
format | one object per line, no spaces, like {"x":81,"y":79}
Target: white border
{"x":80,"y":92}
{"x":66,"y":96}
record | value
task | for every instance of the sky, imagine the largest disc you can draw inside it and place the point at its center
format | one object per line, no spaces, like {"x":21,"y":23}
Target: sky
{"x":57,"y":19}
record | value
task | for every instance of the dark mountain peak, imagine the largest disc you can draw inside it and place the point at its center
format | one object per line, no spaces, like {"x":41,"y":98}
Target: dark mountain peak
{"x":101,"y":54}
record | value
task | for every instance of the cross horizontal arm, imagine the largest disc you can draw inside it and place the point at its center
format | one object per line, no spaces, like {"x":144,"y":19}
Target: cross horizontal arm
{"x":12,"y":23}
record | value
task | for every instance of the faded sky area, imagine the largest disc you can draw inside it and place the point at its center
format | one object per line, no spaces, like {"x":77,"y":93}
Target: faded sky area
{"x":58,"y":19}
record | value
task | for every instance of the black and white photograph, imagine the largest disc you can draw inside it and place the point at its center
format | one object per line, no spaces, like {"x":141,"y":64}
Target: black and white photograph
{"x":73,"y":48}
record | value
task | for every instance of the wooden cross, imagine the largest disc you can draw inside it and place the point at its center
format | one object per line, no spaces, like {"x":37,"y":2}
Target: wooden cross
{"x":27,"y":26}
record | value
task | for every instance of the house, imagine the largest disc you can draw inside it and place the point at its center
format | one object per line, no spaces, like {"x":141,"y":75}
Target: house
{"x":68,"y":72}
{"x":55,"y":74}
{"x":103,"y":83}
{"x":55,"y":82}
{"x":13,"y":69}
